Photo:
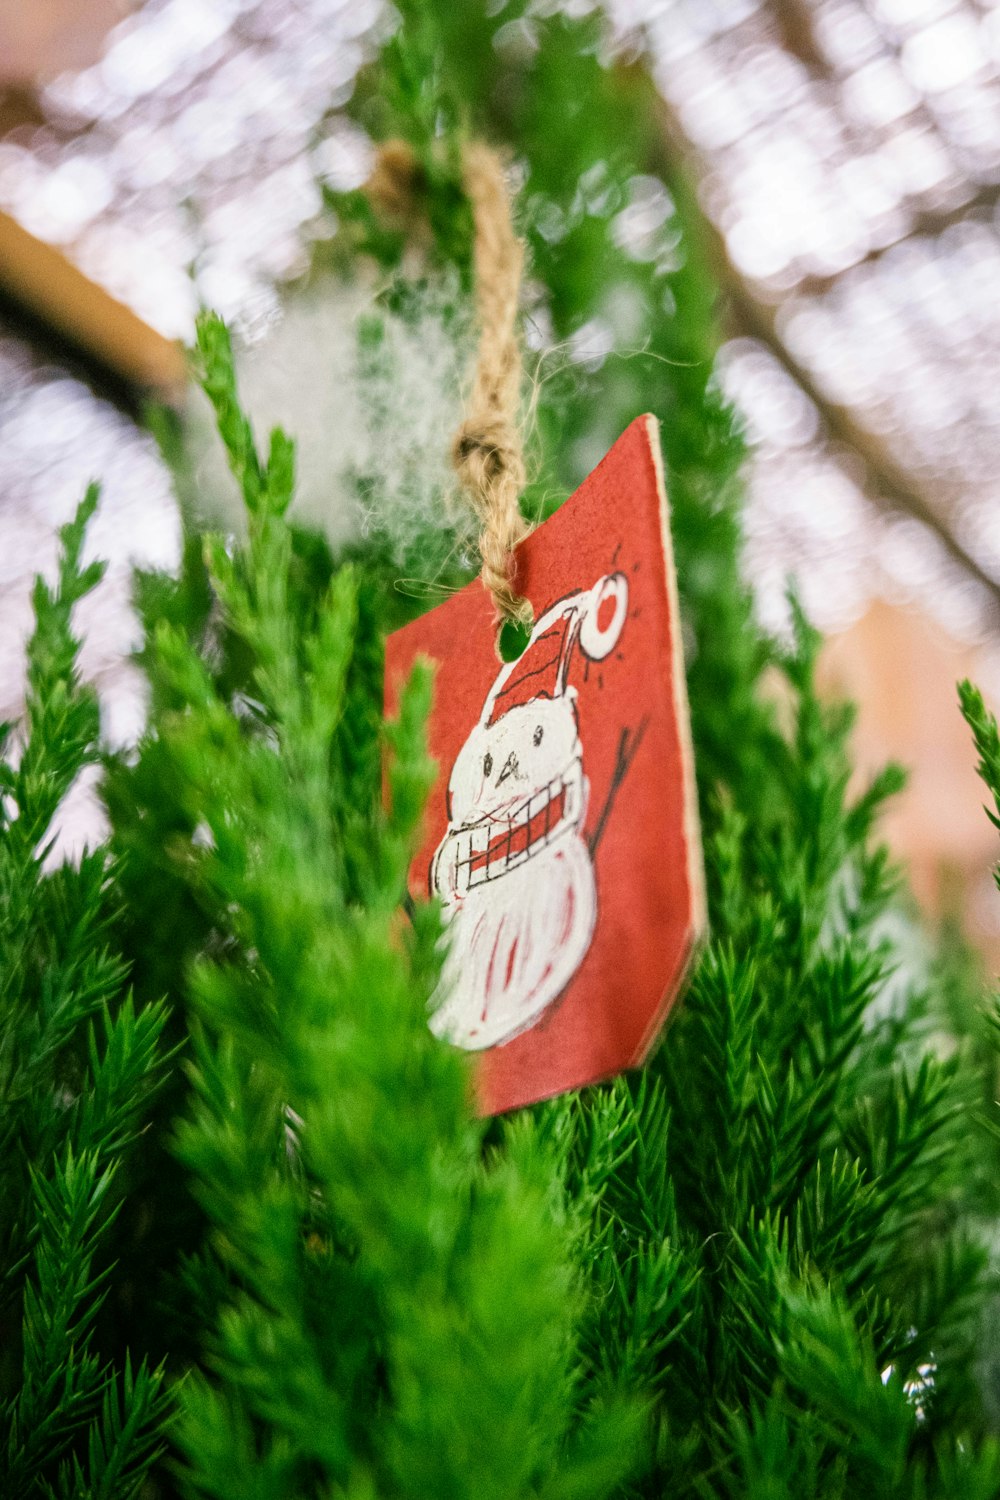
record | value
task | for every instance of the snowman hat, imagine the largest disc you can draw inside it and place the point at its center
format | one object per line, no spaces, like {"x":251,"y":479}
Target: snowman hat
{"x":592,"y":619}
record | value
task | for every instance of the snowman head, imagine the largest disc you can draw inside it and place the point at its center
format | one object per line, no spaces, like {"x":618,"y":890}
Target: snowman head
{"x":514,"y":758}
{"x":517,"y":785}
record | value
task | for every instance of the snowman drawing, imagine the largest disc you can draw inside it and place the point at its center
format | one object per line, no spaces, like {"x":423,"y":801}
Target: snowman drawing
{"x":514,"y":870}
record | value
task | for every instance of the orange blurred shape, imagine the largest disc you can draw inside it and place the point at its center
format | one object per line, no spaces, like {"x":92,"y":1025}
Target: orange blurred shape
{"x":39,"y":38}
{"x":901,"y":669}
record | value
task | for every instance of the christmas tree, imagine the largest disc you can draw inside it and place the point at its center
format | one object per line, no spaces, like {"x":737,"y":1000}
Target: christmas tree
{"x":256,"y":1241}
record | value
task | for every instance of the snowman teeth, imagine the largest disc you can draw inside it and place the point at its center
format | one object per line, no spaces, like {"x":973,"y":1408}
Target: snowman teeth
{"x":485,"y":850}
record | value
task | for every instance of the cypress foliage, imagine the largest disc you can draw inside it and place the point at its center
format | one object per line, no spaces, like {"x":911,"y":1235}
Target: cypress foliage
{"x":78,"y":1067}
{"x":251,"y":1219}
{"x":363,"y":1240}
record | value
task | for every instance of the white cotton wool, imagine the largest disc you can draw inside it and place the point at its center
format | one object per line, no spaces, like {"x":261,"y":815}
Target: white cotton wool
{"x":372,"y":416}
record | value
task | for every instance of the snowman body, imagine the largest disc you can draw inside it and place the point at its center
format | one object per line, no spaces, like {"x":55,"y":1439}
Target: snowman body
{"x":514,"y":870}
{"x":514,"y":873}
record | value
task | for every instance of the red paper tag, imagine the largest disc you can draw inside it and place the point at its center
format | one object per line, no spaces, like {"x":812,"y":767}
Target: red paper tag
{"x":562,"y":834}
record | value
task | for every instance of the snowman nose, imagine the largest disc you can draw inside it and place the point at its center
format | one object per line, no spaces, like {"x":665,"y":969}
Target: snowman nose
{"x":509,"y":768}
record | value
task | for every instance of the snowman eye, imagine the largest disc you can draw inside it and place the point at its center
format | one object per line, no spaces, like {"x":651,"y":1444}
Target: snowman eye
{"x":537,"y":737}
{"x":487,"y":764}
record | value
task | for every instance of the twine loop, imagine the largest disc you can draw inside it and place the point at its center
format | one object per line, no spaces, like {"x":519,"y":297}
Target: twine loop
{"x":487,"y":452}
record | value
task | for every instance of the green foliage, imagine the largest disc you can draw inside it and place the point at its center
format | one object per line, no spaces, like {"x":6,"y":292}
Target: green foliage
{"x":388,"y":1294}
{"x":796,"y":1139}
{"x":987,"y":740}
{"x":757,"y":1268}
{"x":78,"y":1064}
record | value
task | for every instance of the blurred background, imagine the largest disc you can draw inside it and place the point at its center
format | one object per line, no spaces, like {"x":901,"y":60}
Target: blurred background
{"x":846,"y":159}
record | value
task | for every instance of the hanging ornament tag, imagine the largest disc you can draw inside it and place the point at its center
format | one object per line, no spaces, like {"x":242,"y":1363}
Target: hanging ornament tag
{"x":562,"y":835}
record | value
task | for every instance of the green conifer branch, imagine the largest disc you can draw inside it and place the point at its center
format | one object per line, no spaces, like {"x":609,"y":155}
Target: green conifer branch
{"x":756,"y":1267}
{"x":79,"y":1066}
{"x":329,"y":1137}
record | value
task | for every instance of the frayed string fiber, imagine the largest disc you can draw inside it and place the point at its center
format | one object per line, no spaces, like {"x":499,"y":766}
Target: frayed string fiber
{"x":487,"y":450}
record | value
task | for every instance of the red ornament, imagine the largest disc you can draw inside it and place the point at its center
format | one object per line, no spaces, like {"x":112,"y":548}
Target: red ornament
{"x":562,"y":835}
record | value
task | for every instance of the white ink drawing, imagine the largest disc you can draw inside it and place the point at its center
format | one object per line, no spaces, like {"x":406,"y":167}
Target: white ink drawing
{"x":514,"y":870}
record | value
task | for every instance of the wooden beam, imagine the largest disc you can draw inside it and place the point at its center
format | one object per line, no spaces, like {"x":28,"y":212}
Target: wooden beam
{"x":892,"y":480}
{"x":44,"y":283}
{"x":925,"y":223}
{"x":898,"y":487}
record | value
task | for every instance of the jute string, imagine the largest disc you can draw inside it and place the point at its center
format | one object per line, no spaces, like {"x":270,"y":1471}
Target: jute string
{"x":486,"y":451}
